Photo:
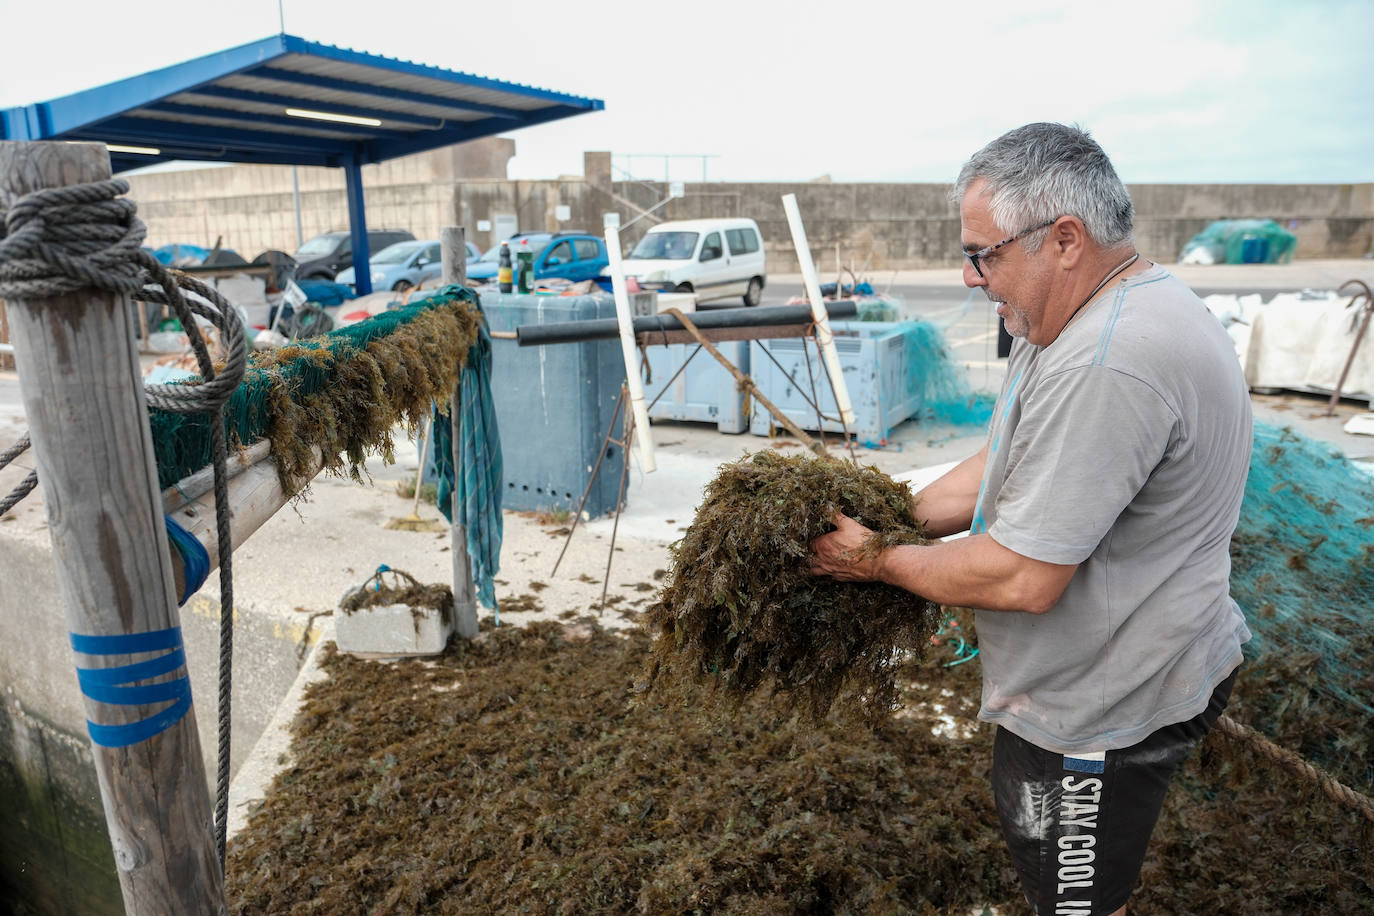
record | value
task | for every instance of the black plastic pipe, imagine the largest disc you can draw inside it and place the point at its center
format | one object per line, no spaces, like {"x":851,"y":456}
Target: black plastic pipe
{"x":538,"y":335}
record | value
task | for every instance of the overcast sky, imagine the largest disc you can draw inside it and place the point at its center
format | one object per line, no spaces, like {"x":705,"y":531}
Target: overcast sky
{"x":862,"y":90}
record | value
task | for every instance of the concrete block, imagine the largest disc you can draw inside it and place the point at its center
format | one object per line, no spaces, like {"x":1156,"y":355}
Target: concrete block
{"x":392,"y":629}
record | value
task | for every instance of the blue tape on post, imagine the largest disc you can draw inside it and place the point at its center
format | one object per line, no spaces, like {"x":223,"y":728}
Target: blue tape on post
{"x":195,"y":561}
{"x":118,"y":685}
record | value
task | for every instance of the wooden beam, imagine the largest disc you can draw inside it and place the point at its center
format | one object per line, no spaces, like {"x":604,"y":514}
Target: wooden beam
{"x":454,"y":257}
{"x":255,"y":495}
{"x":83,"y":397}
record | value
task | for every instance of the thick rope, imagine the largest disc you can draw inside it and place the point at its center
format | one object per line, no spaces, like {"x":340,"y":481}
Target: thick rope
{"x":1335,"y":790}
{"x":58,"y":241}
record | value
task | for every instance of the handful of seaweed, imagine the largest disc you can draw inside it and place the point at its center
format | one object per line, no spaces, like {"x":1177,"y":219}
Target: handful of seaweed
{"x":739,"y":603}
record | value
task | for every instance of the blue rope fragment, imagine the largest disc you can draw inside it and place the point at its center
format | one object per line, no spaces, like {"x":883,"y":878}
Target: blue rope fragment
{"x":195,"y":561}
{"x":950,"y":632}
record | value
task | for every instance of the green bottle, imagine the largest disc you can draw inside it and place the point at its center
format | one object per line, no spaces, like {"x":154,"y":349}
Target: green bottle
{"x":524,"y":268}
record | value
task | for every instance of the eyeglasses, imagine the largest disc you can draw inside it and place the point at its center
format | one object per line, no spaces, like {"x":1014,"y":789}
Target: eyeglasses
{"x":981,"y":253}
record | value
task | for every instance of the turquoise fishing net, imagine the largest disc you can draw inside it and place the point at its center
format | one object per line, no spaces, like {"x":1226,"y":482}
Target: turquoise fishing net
{"x":947,"y":396}
{"x":1303,"y":572}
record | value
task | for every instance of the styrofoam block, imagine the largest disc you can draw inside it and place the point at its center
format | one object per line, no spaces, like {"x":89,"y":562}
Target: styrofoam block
{"x":392,"y":629}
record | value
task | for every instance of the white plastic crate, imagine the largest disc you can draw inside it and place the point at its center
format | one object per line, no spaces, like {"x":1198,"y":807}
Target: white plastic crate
{"x":705,"y":391}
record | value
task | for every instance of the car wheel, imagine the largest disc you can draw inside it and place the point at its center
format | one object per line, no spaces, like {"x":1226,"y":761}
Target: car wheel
{"x":683,"y":288}
{"x":401,"y":286}
{"x":754,"y":294}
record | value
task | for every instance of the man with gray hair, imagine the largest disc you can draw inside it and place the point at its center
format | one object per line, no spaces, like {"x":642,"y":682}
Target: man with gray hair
{"x":1100,"y":512}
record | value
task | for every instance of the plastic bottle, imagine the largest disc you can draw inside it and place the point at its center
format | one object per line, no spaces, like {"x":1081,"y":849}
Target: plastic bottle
{"x":524,"y":275}
{"x":503,"y":270}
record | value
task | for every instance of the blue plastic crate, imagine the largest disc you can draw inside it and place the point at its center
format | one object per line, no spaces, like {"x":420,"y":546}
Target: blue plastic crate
{"x":873,"y":357}
{"x":705,"y":391}
{"x":554,"y":405}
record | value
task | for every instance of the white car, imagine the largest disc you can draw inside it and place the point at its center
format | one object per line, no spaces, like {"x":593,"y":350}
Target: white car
{"x":713,"y":258}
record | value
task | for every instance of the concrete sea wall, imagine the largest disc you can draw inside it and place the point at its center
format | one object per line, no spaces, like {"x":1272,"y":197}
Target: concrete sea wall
{"x":880,"y":226}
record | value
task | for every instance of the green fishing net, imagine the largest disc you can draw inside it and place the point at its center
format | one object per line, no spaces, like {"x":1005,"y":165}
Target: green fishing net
{"x":342,"y":392}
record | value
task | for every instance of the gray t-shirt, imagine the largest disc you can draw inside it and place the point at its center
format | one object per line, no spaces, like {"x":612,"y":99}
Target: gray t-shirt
{"x":1123,"y":446}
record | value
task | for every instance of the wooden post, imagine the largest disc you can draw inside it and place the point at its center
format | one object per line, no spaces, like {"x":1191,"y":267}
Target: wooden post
{"x":453,"y":244}
{"x":83,"y":395}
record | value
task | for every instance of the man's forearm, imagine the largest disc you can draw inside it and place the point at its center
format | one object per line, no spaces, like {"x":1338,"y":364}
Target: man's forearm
{"x":976,"y":572}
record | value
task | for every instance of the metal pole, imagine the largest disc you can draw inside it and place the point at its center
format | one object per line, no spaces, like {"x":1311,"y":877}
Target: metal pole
{"x":357,"y":223}
{"x":82,"y":389}
{"x":663,"y":323}
{"x":296,"y":197}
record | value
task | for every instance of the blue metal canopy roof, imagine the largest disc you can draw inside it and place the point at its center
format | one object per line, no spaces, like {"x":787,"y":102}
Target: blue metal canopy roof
{"x":287,"y":101}
{"x":232,"y":106}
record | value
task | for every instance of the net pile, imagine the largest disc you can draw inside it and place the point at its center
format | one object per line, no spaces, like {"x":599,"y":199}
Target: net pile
{"x":947,"y":396}
{"x":1302,"y":571}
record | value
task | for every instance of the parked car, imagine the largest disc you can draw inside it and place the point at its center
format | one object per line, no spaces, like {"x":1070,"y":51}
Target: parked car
{"x":571,"y":255}
{"x":322,"y":257}
{"x":714,"y":258}
{"x":405,"y":264}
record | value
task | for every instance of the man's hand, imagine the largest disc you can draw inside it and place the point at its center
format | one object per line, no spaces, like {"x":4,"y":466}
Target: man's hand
{"x":840,"y":554}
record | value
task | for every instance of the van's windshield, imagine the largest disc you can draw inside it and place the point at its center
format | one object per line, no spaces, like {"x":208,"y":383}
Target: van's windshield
{"x":320,"y":245}
{"x":665,"y":246}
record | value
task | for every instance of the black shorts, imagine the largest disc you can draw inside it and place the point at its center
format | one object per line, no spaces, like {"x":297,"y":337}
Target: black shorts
{"x":1077,"y":827}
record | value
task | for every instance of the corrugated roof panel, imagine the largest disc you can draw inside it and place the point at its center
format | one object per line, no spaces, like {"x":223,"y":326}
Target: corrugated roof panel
{"x":304,"y":127}
{"x":322,"y":98}
{"x":461,"y":86}
{"x":231,"y":106}
{"x":274,"y":109}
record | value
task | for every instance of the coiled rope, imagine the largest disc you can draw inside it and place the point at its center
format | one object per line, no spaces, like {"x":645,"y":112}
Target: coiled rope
{"x":58,"y":241}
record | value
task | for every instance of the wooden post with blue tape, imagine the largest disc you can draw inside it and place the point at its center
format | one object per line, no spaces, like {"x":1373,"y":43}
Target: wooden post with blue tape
{"x":83,"y":396}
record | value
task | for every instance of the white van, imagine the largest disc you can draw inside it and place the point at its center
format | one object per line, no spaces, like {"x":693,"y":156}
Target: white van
{"x":713,"y":258}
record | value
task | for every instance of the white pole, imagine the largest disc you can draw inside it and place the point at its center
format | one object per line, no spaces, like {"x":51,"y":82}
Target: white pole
{"x":818,"y":312}
{"x":454,"y":261}
{"x":627,"y":343}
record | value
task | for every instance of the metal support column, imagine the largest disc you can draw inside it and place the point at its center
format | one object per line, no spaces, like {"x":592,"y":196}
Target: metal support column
{"x":357,"y":222}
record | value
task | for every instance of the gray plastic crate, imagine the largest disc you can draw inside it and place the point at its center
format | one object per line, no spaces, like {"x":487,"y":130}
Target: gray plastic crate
{"x":554,"y":405}
{"x":873,"y":357}
{"x":705,"y":391}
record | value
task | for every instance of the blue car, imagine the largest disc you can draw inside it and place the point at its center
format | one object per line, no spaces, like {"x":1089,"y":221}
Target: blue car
{"x":570,"y":255}
{"x":405,"y":264}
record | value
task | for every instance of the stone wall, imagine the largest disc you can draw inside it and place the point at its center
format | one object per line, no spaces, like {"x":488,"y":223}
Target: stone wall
{"x":877,"y":226}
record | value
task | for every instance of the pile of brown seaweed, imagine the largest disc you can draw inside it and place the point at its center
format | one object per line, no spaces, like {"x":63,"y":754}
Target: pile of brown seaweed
{"x":740,"y":606}
{"x":529,"y":772}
